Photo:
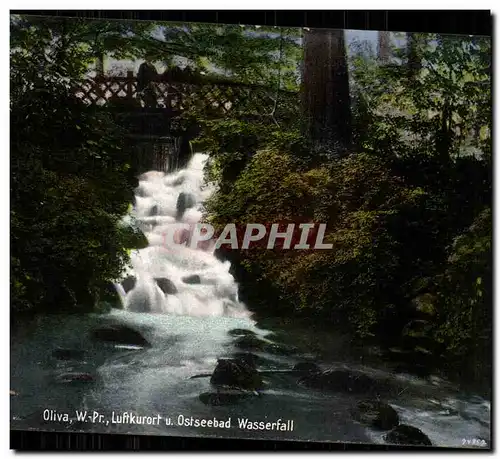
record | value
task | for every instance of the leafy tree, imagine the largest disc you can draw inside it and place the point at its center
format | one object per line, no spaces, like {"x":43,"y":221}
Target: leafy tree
{"x":408,"y":213}
{"x":257,"y":55}
{"x":464,"y":316}
{"x":71,"y":179}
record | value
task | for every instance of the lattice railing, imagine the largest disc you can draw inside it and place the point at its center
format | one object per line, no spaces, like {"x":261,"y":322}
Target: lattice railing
{"x":218,"y":97}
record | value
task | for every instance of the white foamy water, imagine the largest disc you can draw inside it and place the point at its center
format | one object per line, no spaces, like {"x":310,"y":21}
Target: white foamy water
{"x":202,"y":284}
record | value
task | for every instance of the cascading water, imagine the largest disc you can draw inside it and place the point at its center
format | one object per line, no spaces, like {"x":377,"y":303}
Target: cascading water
{"x":194,"y":281}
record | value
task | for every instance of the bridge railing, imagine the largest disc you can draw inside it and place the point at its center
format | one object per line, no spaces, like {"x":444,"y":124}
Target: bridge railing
{"x":219,"y":97}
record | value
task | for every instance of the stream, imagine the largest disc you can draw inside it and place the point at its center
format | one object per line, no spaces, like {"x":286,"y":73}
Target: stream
{"x":185,"y":303}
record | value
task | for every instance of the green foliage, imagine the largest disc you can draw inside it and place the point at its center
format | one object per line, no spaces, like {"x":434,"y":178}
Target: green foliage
{"x":71,"y":180}
{"x":358,"y":197}
{"x":249,"y":54}
{"x":74,"y":43}
{"x":444,"y":109}
{"x":131,"y":235}
{"x":465,"y":292}
{"x":406,"y":213}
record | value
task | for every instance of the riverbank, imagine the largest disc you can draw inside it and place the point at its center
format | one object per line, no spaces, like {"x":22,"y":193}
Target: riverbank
{"x":156,"y":379}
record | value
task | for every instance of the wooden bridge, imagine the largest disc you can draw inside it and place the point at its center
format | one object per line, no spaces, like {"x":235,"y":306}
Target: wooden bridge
{"x":176,"y":92}
{"x":148,"y":117}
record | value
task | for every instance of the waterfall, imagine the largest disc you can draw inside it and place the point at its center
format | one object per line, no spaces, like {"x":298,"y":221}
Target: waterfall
{"x":168,"y":277}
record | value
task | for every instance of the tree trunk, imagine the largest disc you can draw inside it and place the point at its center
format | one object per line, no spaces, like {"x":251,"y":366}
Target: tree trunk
{"x":100,"y":64}
{"x":325,"y":90}
{"x":383,"y":46}
{"x":414,"y":59}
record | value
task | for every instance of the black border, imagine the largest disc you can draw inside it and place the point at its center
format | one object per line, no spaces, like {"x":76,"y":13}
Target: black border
{"x":460,"y":22}
{"x":465,"y":22}
{"x":58,"y":441}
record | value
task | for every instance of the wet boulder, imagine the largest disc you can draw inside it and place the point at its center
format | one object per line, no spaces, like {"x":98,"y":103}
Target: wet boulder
{"x":237,"y":374}
{"x":306,"y":367}
{"x":179,"y":181}
{"x":75,"y":377}
{"x":153,"y":212}
{"x":339,"y":381}
{"x":224,"y":398}
{"x":129,"y":283}
{"x":184,"y":201}
{"x":407,"y":435}
{"x":254,"y":360}
{"x":166,"y":285}
{"x":376,"y":414}
{"x":241,"y":332}
{"x":193,"y":279}
{"x":120,"y":334}
{"x":221,"y":254}
{"x":140,"y":191}
{"x":68,"y":354}
{"x":250,"y":343}
{"x":280,"y":349}
{"x":248,"y":358}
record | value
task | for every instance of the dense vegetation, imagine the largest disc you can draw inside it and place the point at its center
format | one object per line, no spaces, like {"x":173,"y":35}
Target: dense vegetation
{"x":71,"y":179}
{"x":408,"y":210}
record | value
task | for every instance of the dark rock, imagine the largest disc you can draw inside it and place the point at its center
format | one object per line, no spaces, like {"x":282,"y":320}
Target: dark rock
{"x":241,"y":332}
{"x":193,"y":279}
{"x":75,"y":377}
{"x":235,"y":373}
{"x":407,"y":435}
{"x":140,"y":192}
{"x":166,"y":285}
{"x":179,"y":181}
{"x":184,"y":201}
{"x":252,"y":359}
{"x":247,"y":358}
{"x":68,"y":354}
{"x":306,"y":367}
{"x":221,"y":254}
{"x":339,"y":381}
{"x":224,"y":398}
{"x":153,"y":212}
{"x":250,"y":343}
{"x":280,"y":349}
{"x":376,"y":414}
{"x":129,"y":283}
{"x":120,"y":334}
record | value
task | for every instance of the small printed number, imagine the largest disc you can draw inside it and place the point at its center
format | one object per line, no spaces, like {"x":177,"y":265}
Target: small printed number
{"x":473,"y":442}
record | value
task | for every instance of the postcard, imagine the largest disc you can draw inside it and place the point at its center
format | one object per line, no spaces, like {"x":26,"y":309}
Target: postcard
{"x":250,"y":232}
